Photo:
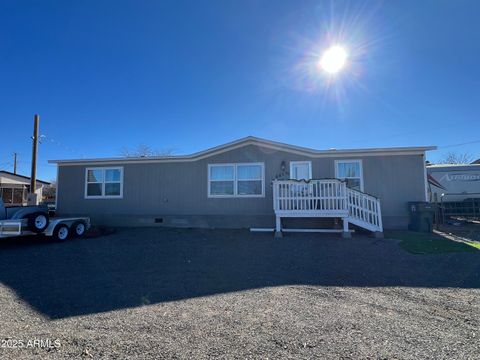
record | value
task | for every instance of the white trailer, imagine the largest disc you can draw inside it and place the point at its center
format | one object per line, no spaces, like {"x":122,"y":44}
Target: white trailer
{"x":60,"y":229}
{"x":454,"y":183}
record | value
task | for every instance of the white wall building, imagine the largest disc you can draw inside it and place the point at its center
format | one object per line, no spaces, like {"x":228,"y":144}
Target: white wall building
{"x":14,"y":188}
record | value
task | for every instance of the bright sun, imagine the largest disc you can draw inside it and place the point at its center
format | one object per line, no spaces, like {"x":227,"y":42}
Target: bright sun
{"x":333,"y":59}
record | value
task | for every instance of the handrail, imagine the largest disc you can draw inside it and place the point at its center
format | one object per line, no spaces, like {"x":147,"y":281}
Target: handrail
{"x":364,"y":207}
{"x":309,"y":180}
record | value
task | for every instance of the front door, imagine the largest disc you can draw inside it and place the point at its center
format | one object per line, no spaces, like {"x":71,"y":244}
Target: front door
{"x":301,"y":170}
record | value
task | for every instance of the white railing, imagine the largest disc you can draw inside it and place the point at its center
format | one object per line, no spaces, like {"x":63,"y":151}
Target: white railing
{"x":364,"y":208}
{"x":316,"y":197}
{"x":326,"y":198}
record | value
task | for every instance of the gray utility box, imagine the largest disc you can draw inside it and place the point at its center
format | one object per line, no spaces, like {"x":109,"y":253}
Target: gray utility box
{"x":421,"y":216}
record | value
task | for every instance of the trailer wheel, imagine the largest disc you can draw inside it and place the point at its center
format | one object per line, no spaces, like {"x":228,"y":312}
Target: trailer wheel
{"x":78,"y":229}
{"x":38,"y":222}
{"x":61,"y":233}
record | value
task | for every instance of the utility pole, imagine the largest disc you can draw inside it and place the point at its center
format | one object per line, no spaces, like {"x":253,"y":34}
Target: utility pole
{"x":15,"y":163}
{"x":32,"y":198}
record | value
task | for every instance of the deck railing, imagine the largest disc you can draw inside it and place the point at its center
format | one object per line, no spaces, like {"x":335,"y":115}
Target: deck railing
{"x":326,"y":198}
{"x":315,"y":196}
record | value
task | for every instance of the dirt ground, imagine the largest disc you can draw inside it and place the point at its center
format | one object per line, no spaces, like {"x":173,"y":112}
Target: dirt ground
{"x":180,"y":294}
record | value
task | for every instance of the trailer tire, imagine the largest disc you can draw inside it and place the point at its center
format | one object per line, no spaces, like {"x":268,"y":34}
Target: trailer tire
{"x":38,"y":222}
{"x":61,"y":233}
{"x":79,"y":229}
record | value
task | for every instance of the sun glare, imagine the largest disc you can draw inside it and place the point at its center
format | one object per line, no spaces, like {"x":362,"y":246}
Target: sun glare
{"x":333,"y":59}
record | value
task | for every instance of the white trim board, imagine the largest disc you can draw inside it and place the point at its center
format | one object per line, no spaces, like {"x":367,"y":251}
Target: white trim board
{"x":301,"y":230}
{"x":425,"y":177}
{"x":250,"y":140}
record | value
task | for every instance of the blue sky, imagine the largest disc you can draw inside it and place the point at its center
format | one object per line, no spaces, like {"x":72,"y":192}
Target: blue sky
{"x":188,"y":75}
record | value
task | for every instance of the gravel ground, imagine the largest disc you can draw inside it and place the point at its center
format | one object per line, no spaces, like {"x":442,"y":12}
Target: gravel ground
{"x":465,"y":230}
{"x":160,"y":293}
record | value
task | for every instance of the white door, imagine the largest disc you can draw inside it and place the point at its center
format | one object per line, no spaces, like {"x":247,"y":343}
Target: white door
{"x":301,"y":170}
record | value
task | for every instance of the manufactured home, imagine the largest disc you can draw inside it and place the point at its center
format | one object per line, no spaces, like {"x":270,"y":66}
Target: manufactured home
{"x":248,"y":183}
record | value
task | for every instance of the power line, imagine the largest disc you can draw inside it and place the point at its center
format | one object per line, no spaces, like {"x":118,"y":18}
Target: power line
{"x":49,"y":139}
{"x":460,"y":144}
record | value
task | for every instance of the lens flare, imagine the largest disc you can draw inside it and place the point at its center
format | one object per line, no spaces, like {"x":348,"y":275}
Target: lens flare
{"x":333,"y":59}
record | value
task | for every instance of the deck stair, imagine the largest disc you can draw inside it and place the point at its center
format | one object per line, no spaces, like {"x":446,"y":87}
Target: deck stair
{"x":326,"y":198}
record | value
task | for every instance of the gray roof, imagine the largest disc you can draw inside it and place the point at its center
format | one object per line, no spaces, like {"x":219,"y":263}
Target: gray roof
{"x":255,"y":141}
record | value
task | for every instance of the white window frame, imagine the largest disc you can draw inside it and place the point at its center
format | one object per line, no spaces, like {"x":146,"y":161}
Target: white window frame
{"x":235,"y":180}
{"x":210,"y":180}
{"x":103,"y":196}
{"x":358,"y":161}
{"x":309,"y":163}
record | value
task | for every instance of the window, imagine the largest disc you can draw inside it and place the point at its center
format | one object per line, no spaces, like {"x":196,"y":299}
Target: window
{"x":350,"y":171}
{"x":18,"y":196}
{"x":7,"y":195}
{"x":249,"y":179}
{"x":14,"y":195}
{"x":236,"y":180}
{"x":104,"y":183}
{"x":222,"y":180}
{"x":301,"y":170}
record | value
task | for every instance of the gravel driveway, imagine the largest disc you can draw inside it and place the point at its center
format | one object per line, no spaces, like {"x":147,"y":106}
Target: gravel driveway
{"x":166,"y":293}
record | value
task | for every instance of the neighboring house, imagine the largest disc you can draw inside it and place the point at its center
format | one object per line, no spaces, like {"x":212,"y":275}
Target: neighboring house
{"x":14,"y":188}
{"x":235,"y":185}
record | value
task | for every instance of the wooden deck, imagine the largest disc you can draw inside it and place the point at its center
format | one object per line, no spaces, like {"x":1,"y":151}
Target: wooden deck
{"x":326,"y":198}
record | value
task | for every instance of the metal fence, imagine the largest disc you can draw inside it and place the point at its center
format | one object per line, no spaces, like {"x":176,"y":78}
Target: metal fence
{"x":469,"y":208}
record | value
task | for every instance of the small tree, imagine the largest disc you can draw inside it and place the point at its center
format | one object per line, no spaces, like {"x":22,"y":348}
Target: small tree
{"x":143,"y":150}
{"x":456,"y":158}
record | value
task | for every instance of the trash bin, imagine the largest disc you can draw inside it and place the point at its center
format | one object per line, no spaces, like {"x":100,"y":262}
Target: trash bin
{"x":421,"y":216}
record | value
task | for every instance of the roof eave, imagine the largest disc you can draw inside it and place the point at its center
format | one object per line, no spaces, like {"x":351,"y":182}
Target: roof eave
{"x":256,"y":141}
{"x":24,"y":177}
